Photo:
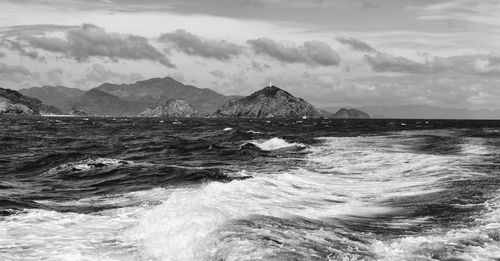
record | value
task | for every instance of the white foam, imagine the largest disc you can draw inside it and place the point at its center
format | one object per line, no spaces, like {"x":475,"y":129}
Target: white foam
{"x":275,"y":144}
{"x":341,"y":177}
{"x":475,"y":146}
{"x":190,"y":217}
{"x":90,"y":164}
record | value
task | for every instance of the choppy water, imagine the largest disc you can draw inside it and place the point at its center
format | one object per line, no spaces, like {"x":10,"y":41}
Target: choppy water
{"x":145,"y":189}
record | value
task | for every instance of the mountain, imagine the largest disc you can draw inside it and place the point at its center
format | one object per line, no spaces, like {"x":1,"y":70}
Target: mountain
{"x":52,"y":95}
{"x":172,"y":108}
{"x":14,"y":103}
{"x":149,"y":91}
{"x":99,"y":103}
{"x":268,"y":102}
{"x":430,"y":112}
{"x":344,"y":113}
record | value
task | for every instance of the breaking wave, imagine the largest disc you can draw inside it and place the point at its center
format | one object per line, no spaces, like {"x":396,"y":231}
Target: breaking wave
{"x":275,"y":144}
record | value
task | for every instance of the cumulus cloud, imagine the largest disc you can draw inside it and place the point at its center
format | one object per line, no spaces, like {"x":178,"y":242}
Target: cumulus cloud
{"x":314,"y":53}
{"x":100,"y":74}
{"x":20,"y":48}
{"x":91,"y":41}
{"x":191,"y":44}
{"x":54,"y":76}
{"x":356,"y":44}
{"x":382,"y":62}
{"x":16,"y":73}
{"x":218,"y":74}
{"x":484,"y":65}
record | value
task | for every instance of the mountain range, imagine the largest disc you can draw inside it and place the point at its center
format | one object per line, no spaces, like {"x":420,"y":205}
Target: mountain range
{"x":131,"y":99}
{"x":128,"y":99}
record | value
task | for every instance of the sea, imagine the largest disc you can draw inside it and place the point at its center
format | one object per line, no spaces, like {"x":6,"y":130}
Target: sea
{"x":248,"y":189}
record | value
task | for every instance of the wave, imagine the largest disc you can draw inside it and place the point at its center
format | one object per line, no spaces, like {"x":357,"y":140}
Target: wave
{"x":192,"y":218}
{"x":349,"y":188}
{"x":88,"y":165}
{"x":478,"y":241}
{"x":275,"y":144}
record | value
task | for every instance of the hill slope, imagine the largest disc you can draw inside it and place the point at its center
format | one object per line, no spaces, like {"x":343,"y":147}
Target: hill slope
{"x":52,"y":95}
{"x":13,"y":102}
{"x":172,"y":108}
{"x":149,"y":91}
{"x":269,"y":102}
{"x":99,"y":103}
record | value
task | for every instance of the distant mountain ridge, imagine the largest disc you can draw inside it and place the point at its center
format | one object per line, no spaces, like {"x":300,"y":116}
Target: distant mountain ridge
{"x":52,"y":95}
{"x":205,"y":100}
{"x":128,"y":99}
{"x":100,"y":103}
{"x":419,"y":111}
{"x":430,"y":112}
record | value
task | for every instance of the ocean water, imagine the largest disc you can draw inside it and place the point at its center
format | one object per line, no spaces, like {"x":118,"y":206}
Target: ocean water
{"x":211,"y":189}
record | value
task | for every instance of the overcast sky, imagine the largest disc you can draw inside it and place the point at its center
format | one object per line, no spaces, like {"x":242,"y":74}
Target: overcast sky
{"x":330,"y":52}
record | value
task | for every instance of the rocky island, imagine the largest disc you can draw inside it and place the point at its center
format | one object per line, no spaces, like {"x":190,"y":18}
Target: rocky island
{"x":351,"y":114}
{"x":14,"y":103}
{"x":267,"y":103}
{"x":171,"y":109}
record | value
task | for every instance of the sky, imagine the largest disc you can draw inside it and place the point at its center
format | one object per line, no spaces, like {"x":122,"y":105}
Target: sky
{"x":330,"y":52}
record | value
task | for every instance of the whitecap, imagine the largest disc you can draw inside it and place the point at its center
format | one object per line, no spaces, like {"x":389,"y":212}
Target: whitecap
{"x":91,"y":164}
{"x":275,"y":144}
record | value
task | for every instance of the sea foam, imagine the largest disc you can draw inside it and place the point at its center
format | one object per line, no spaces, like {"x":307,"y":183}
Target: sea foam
{"x":275,"y":144}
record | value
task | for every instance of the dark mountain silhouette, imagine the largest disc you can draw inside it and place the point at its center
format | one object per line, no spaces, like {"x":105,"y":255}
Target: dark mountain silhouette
{"x":268,"y":102}
{"x":13,"y":102}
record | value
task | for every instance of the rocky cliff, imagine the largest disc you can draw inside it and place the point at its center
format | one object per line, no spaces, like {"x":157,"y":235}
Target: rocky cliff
{"x":14,"y":103}
{"x":351,"y":114}
{"x":172,"y":108}
{"x":268,"y":102}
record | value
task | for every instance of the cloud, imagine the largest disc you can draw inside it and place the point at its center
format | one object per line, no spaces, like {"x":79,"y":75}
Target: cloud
{"x":445,"y":90}
{"x":20,"y":48}
{"x":191,"y":44}
{"x":16,"y":73}
{"x":218,"y":74}
{"x":382,"y":62}
{"x":54,"y":76}
{"x":2,"y":54}
{"x":256,"y":66}
{"x":484,"y":12}
{"x":314,"y":53}
{"x":100,"y":74}
{"x":91,"y":41}
{"x":356,"y":44}
{"x":483,"y":65}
